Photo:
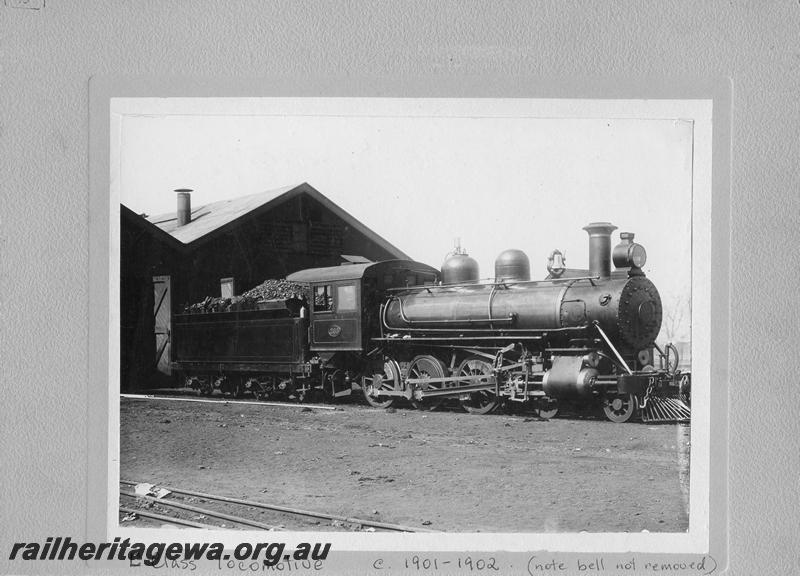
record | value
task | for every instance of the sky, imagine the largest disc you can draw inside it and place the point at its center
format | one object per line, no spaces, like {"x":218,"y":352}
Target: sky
{"x":496,"y":174}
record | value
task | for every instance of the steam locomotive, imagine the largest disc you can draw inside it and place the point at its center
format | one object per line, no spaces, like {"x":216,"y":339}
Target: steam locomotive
{"x":402,"y":330}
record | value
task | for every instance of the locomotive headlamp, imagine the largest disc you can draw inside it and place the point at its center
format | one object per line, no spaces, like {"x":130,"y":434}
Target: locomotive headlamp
{"x":629,"y":254}
{"x":637,"y":255}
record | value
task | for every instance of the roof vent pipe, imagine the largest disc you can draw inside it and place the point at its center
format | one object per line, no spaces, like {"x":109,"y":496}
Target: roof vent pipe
{"x":600,"y":248}
{"x":184,"y":206}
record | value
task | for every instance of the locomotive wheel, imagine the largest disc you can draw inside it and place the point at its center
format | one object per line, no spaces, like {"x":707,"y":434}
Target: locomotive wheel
{"x":205,"y":387}
{"x":546,"y":408}
{"x":620,"y":407}
{"x":481,"y":402}
{"x":389,"y":379}
{"x":426,"y":367}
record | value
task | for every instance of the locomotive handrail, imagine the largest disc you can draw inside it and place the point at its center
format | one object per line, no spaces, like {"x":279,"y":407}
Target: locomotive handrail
{"x":490,"y":320}
{"x":665,"y":357}
{"x":385,"y":324}
{"x":611,"y":346}
{"x":450,"y":338}
{"x":502,"y":283}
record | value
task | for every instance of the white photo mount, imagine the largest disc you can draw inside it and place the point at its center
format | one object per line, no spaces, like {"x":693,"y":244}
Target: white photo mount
{"x":702,"y":105}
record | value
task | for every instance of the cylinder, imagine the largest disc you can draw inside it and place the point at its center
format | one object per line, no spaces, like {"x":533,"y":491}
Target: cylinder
{"x":600,"y":248}
{"x":184,"y":211}
{"x":569,"y":378}
{"x":512,"y":265}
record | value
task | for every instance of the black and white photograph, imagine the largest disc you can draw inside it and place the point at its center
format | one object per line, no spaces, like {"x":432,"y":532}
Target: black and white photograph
{"x":410,"y":315}
{"x":399,"y":288}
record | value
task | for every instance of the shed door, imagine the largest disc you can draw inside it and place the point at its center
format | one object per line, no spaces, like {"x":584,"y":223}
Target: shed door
{"x":162,"y":312}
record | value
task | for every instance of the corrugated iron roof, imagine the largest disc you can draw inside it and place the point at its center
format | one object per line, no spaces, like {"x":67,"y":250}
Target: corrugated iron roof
{"x":213,"y":216}
{"x":130,"y":217}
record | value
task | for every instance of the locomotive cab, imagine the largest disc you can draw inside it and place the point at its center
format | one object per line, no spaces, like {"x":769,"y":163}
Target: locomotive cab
{"x":345,"y":298}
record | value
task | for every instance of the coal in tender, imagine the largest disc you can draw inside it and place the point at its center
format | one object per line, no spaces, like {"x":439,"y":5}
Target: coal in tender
{"x":269,"y":290}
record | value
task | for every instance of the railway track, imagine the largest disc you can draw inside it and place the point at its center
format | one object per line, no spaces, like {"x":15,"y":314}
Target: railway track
{"x":222,"y":399}
{"x":657,"y":411}
{"x":179,"y":507}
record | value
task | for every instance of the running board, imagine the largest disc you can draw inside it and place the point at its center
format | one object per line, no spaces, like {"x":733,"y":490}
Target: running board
{"x":665,"y":410}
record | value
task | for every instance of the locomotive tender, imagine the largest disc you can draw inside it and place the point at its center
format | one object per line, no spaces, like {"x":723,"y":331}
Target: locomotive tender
{"x":401,"y":330}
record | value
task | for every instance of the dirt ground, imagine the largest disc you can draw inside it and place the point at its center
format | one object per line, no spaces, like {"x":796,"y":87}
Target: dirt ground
{"x":445,"y":470}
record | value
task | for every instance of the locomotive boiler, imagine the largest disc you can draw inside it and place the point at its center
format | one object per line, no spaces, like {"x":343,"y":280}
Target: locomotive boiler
{"x":577,"y":334}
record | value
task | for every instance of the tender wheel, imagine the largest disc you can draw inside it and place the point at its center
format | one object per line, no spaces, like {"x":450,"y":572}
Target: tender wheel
{"x":620,"y":407}
{"x":389,"y":379}
{"x":263,"y":388}
{"x":481,"y":402}
{"x":205,"y":386}
{"x":423,"y":367}
{"x":546,"y":408}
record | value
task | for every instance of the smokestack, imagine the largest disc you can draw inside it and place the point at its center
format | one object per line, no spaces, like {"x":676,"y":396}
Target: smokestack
{"x":600,"y":248}
{"x":184,"y":206}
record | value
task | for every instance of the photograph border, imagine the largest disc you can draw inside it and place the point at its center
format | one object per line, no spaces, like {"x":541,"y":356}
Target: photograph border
{"x":102,"y":314}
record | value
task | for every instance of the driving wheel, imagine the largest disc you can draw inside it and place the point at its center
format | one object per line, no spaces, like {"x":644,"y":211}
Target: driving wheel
{"x":387,"y":379}
{"x":482,"y":401}
{"x":422,"y":368}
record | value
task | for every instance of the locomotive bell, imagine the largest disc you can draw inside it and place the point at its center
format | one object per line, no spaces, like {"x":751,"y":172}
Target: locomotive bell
{"x":512,"y":265}
{"x":460,"y":268}
{"x":556,"y":264}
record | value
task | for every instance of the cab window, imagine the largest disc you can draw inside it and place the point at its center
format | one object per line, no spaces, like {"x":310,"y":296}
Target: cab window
{"x":346,"y":298}
{"x":323,"y":298}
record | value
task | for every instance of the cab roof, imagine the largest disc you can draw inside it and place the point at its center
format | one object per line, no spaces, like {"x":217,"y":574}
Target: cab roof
{"x":358,"y":271}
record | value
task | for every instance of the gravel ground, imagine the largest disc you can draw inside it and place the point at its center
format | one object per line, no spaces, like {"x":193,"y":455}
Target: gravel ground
{"x":445,"y":470}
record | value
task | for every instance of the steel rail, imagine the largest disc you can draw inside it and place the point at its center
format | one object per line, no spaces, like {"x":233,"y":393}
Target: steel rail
{"x":204,"y":511}
{"x":225,"y":401}
{"x":163,"y":518}
{"x":288,"y":510}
